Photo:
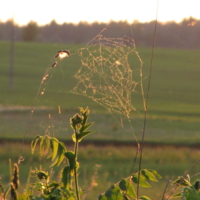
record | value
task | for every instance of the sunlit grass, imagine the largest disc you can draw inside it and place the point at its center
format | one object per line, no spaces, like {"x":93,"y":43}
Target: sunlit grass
{"x":107,"y":165}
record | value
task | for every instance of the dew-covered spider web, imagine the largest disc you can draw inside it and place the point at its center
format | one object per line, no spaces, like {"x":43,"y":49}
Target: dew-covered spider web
{"x":106,"y":70}
{"x":110,"y":73}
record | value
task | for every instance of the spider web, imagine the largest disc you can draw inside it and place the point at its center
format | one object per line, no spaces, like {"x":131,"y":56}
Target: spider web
{"x":107,"y":74}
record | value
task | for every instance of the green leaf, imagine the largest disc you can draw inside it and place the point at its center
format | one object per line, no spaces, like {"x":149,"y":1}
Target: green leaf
{"x":33,"y":143}
{"x":196,"y":185}
{"x":113,"y":193}
{"x":53,"y":184}
{"x":108,"y":193}
{"x":66,"y":177}
{"x":47,"y":141}
{"x":74,"y":138}
{"x":71,"y":158}
{"x":155,"y":173}
{"x":123,"y":185}
{"x":60,"y":158}
{"x":54,"y":148}
{"x":142,"y":181}
{"x":61,"y":151}
{"x":60,"y":155}
{"x":83,"y":134}
{"x":41,"y":145}
{"x":148,"y":175}
{"x":56,"y":192}
{"x":69,"y":193}
{"x":131,"y":191}
{"x":80,"y":135}
{"x":102,"y":197}
{"x":144,"y":198}
{"x":127,"y":186}
{"x":42,"y":175}
{"x":190,"y":193}
{"x":85,"y":127}
{"x":180,"y":181}
{"x":69,"y":155}
{"x":62,"y":145}
{"x":177,"y":195}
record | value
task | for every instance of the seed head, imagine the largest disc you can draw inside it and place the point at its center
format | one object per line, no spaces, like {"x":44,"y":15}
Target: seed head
{"x":15,"y":180}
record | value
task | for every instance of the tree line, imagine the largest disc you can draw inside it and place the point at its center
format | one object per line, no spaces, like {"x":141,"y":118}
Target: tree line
{"x":185,"y":34}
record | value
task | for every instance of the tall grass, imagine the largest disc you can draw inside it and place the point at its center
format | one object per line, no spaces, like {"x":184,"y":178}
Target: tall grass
{"x":110,"y":163}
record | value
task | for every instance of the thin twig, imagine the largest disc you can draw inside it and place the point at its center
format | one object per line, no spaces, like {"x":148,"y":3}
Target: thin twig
{"x":163,"y":196}
{"x":147,"y":100}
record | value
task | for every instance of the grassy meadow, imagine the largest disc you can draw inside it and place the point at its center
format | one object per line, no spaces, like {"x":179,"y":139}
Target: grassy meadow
{"x":173,"y":120}
{"x":174,"y":107}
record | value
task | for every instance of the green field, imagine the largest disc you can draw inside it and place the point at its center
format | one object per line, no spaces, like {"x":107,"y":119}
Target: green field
{"x":174,"y":108}
{"x":173,"y":116}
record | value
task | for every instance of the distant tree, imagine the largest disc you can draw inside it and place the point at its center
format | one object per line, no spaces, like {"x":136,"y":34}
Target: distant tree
{"x":30,"y":32}
{"x":185,"y":34}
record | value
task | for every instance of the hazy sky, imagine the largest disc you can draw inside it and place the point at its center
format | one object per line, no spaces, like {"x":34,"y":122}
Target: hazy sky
{"x":43,"y":11}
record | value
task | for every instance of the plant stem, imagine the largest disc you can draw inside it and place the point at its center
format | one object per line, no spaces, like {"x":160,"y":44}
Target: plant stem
{"x":75,"y":170}
{"x":147,"y":100}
